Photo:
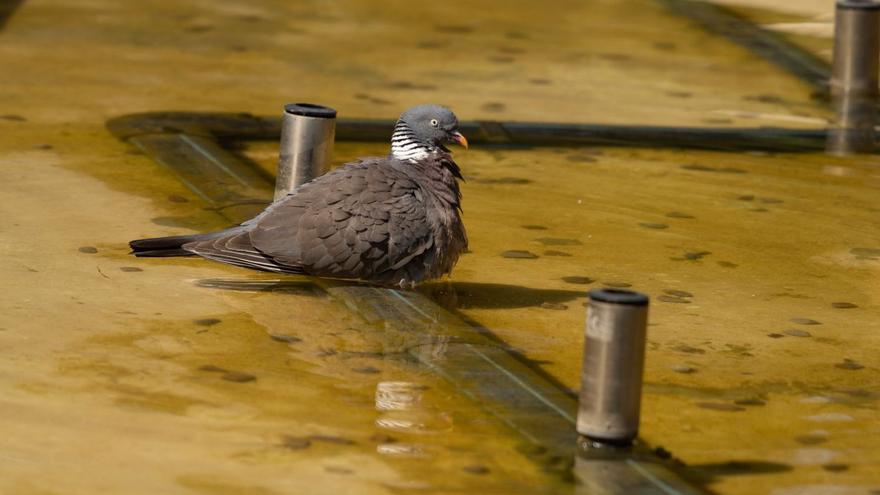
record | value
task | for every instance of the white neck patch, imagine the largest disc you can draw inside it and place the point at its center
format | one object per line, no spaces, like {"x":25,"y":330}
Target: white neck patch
{"x":404,"y":145}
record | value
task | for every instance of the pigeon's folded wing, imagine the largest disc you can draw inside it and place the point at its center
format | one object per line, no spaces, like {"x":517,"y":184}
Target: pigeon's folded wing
{"x":365,"y":220}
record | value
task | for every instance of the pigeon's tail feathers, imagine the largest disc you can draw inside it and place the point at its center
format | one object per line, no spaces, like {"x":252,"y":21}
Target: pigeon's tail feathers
{"x":160,"y":247}
{"x":236,"y":248}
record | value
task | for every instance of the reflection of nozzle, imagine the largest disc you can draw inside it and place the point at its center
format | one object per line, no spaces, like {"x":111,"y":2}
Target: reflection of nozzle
{"x":307,"y":133}
{"x":854,"y":79}
{"x":397,"y":396}
{"x":614,"y":356}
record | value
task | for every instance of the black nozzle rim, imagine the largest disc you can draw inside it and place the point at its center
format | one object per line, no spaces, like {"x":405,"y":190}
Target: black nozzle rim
{"x":619,"y":296}
{"x":310,"y":110}
{"x":858,"y":5}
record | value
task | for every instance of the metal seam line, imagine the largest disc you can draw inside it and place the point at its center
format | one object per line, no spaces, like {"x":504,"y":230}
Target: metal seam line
{"x":413,"y":306}
{"x":653,"y":479}
{"x":180,"y":177}
{"x":506,"y":420}
{"x":507,"y":373}
{"x":519,"y":382}
{"x":212,"y":159}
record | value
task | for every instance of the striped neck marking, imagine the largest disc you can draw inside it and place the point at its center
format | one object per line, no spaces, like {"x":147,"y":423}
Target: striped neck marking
{"x":405,"y":146}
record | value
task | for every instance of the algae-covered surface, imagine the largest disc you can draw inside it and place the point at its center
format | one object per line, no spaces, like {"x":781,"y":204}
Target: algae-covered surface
{"x":124,"y":375}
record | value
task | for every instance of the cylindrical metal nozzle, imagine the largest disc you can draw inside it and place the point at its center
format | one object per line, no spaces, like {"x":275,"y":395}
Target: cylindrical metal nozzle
{"x":614,"y":357}
{"x":856,"y":62}
{"x":307,"y":133}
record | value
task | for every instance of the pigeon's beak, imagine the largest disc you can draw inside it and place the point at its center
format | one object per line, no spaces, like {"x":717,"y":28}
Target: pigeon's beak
{"x":458,"y":138}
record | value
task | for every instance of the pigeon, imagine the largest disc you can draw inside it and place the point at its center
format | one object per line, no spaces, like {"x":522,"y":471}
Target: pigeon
{"x":390,"y":221}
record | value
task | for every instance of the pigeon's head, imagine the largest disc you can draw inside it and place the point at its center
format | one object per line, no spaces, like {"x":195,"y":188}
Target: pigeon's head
{"x":426,"y":128}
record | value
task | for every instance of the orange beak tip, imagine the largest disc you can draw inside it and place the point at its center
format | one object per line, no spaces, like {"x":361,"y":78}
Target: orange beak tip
{"x":460,"y":140}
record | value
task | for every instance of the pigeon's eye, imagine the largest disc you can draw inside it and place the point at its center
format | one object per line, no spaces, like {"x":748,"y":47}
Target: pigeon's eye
{"x":434,"y":122}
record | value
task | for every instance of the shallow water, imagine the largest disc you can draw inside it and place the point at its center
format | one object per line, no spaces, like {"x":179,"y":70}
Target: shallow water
{"x":125,"y":375}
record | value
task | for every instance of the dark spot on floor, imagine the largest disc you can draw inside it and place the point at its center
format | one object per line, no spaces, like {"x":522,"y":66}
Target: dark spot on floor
{"x":130,"y":269}
{"x":797,"y":333}
{"x":367,"y":370}
{"x":176,"y":198}
{"x":540,"y":82}
{"x":664,"y":46}
{"x":372,"y":99}
{"x":810,"y":439}
{"x":617,"y":285}
{"x":43,"y":147}
{"x":804,"y":321}
{"x":575,"y":279}
{"x":746,"y":197}
{"x":534,"y":227}
{"x":254,"y":18}
{"x":503,"y":180}
{"x":614,"y":57}
{"x":212,"y":368}
{"x":409,"y":85}
{"x":520,"y":254}
{"x":703,"y":168}
{"x":865,"y":253}
{"x":696,"y":255}
{"x":207,"y":322}
{"x":843,"y":305}
{"x":750,"y":401}
{"x":679,"y":94}
{"x":657,"y":226}
{"x":556,"y":253}
{"x":331,"y":439}
{"x":692,"y":256}
{"x":475,"y":469}
{"x":557,"y":241}
{"x":88,"y":249}
{"x":382,"y":438}
{"x":238,"y":377}
{"x":727,"y":264}
{"x":326,"y":352}
{"x":688,"y":349}
{"x":288,"y":339}
{"x":684,"y":369}
{"x":677,"y":293}
{"x":764,"y":98}
{"x":775,"y":335}
{"x":849,"y":364}
{"x":720,"y":406}
{"x":553,"y":305}
{"x":835,"y":467}
{"x":338,"y":470}
{"x":13,"y":118}
{"x":493,"y":106}
{"x":673,"y":299}
{"x":678,"y":214}
{"x":294,"y":443}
